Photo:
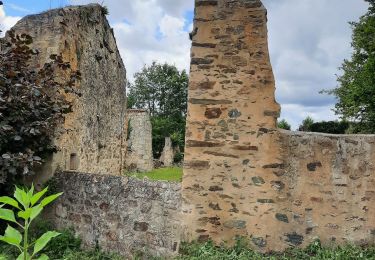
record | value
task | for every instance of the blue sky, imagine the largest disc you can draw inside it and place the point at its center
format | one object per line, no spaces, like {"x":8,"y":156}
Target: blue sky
{"x":24,"y":7}
{"x":308,"y":40}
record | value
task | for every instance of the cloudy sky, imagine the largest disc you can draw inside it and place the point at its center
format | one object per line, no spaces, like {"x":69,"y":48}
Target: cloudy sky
{"x":308,"y":41}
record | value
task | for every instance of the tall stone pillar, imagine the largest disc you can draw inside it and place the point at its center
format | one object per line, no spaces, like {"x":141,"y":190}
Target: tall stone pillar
{"x":230,"y":157}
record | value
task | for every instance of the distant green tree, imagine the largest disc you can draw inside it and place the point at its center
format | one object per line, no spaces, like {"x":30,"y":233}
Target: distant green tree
{"x":331,"y":127}
{"x":306,"y":124}
{"x":283,"y":124}
{"x":356,"y":90}
{"x":162,"y":89}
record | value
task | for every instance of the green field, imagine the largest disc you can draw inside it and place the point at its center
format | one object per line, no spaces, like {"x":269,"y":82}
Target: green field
{"x":161,"y":174}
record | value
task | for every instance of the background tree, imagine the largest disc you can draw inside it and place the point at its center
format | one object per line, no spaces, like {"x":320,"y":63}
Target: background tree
{"x":32,"y":104}
{"x":283,"y":124}
{"x":330,"y":127}
{"x":356,"y":90}
{"x":162,"y":89}
{"x":306,"y":124}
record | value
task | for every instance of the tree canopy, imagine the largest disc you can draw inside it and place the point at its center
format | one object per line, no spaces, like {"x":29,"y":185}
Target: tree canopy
{"x":356,"y":90}
{"x":162,"y":89}
{"x":306,"y":124}
{"x":283,"y":124}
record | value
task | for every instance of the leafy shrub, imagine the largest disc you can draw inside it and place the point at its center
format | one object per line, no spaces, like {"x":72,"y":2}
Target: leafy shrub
{"x":32,"y":104}
{"x":178,"y":157}
{"x":330,"y":127}
{"x":283,"y":124}
{"x":65,"y":242}
{"x":26,"y":204}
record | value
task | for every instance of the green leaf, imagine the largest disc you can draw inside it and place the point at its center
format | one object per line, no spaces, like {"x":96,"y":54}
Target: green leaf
{"x":22,"y":256}
{"x":9,"y":240}
{"x":25,"y":214}
{"x":49,"y":199}
{"x":8,"y":215}
{"x":13,"y":235}
{"x":9,"y":201}
{"x":31,"y":191}
{"x":37,"y":196}
{"x":35,"y":211}
{"x":43,"y":257}
{"x":22,"y":197}
{"x":43,"y":241}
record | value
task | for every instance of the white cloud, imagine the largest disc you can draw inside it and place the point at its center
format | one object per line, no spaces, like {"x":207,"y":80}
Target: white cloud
{"x":308,"y":41}
{"x":6,"y":22}
{"x":150,"y":30}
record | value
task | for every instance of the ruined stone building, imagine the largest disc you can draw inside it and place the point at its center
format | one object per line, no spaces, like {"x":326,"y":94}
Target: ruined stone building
{"x":242,"y":175}
{"x":92,"y":138}
{"x":139,"y":141}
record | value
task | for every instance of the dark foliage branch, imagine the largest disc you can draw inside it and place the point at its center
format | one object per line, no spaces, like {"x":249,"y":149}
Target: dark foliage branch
{"x":32,"y":105}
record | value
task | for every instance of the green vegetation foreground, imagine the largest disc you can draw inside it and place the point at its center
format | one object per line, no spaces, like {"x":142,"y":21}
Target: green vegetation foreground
{"x":68,"y":247}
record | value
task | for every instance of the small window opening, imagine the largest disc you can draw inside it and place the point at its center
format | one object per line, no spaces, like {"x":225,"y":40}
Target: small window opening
{"x":73,"y":162}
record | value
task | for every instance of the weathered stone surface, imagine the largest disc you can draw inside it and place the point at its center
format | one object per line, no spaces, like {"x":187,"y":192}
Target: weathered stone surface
{"x":282,"y":217}
{"x":139,"y":156}
{"x":212,"y":113}
{"x":139,"y":214}
{"x":167,"y":155}
{"x":237,"y":224}
{"x":234,"y":113}
{"x":222,"y":154}
{"x":313,"y":166}
{"x":242,"y":176}
{"x":258,"y":181}
{"x":223,"y":121}
{"x":197,"y":164}
{"x":287,"y":183}
{"x":197,"y":101}
{"x":294,"y":239}
{"x":194,"y":143}
{"x":92,"y":137}
{"x":259,"y":241}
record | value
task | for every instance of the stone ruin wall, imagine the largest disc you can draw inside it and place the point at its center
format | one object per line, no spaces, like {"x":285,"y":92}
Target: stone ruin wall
{"x":92,"y":138}
{"x":168,"y":153}
{"x":242,"y":176}
{"x":231,"y":124}
{"x":119,"y":214}
{"x":328,"y":187}
{"x":139,"y":142}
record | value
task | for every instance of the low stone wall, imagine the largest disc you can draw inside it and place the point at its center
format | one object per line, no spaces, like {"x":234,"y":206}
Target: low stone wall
{"x":326,"y":188}
{"x":119,"y":214}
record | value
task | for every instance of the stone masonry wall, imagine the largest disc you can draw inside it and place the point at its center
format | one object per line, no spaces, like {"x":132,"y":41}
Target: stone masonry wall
{"x":168,"y":153}
{"x":92,"y":138}
{"x":119,"y":214}
{"x":242,"y":176}
{"x":328,"y":189}
{"x":139,"y":144}
{"x":231,"y":125}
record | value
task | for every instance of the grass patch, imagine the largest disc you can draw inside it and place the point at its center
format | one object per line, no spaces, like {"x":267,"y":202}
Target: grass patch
{"x":68,"y":247}
{"x":242,"y":251}
{"x":161,"y":174}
